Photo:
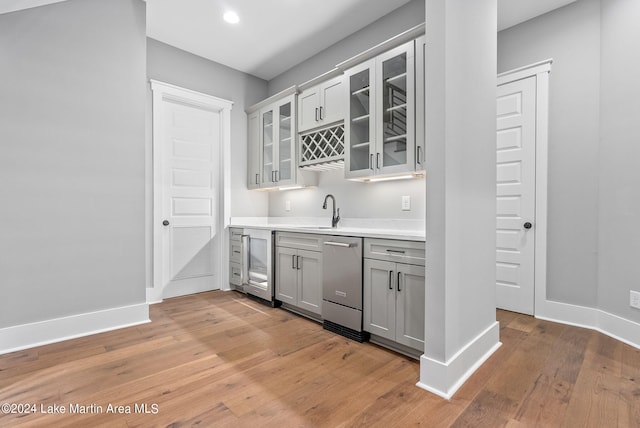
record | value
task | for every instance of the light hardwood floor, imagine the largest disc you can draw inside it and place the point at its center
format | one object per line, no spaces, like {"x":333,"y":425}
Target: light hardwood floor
{"x":218,"y":359}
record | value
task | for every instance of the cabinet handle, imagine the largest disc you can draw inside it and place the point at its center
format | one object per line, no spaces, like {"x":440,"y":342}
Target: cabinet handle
{"x":418,"y":153}
{"x":321,"y":118}
{"x":293,"y":262}
{"x":389,"y":250}
{"x":378,"y":160}
{"x":340,"y":244}
{"x":371,"y":162}
{"x":257,"y":179}
{"x":298,"y":262}
{"x":277,"y":175}
{"x":316,"y":114}
{"x":399,"y":281}
{"x":390,"y":280}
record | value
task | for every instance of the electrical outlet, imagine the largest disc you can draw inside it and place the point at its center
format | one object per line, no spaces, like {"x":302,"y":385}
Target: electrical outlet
{"x":287,"y":205}
{"x":634,"y":299}
{"x":406,"y":203}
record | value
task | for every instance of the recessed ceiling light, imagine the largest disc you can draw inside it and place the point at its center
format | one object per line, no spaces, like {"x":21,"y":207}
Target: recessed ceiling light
{"x":231,"y":17}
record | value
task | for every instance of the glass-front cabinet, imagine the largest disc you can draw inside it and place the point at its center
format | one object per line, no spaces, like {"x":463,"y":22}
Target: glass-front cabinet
{"x":271,"y":146}
{"x":380,"y":125}
{"x":278,"y":166}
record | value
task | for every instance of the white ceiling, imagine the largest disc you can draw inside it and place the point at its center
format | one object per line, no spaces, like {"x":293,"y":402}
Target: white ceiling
{"x":272,"y":35}
{"x":275,"y":35}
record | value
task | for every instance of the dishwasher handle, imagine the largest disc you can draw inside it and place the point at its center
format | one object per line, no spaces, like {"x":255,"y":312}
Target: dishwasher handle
{"x":341,"y":244}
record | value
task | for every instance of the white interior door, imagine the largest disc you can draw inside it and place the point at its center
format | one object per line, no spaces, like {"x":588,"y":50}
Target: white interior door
{"x":515,"y":204}
{"x":187,"y":231}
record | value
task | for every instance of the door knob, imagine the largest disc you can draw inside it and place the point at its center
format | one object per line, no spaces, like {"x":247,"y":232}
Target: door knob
{"x":165,"y":223}
{"x":527,"y":225}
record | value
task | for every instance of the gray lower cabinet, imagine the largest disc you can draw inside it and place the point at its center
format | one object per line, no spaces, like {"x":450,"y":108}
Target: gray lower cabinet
{"x":299,"y":274}
{"x":394,"y":299}
{"x":235,"y":258}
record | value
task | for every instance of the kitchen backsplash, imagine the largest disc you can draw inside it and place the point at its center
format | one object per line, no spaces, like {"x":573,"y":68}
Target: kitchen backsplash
{"x":356,"y":200}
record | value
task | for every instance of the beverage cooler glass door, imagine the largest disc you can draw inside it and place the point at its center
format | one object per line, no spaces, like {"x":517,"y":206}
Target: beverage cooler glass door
{"x":258,"y":263}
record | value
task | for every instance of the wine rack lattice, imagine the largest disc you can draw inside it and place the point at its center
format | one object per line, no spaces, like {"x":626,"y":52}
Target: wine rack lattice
{"x":323,"y":149}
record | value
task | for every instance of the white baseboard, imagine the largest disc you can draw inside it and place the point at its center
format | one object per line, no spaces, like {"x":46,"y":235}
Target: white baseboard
{"x":444,"y":378}
{"x":612,"y":325}
{"x":26,"y":336}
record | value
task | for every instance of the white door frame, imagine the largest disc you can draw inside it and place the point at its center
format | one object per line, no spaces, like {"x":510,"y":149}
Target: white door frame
{"x":165,"y":91}
{"x":541,"y":71}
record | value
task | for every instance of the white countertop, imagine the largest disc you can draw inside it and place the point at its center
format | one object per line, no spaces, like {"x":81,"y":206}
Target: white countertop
{"x":407,"y":230}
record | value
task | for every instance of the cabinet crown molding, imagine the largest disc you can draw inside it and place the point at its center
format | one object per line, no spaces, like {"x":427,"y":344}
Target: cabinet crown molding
{"x":410,"y":34}
{"x":289,"y":91}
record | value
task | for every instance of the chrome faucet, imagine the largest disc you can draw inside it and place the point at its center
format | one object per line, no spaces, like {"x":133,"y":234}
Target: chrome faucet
{"x":335,"y":218}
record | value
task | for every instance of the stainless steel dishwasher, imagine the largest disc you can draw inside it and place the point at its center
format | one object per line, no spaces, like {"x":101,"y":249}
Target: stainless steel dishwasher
{"x":342,"y":286}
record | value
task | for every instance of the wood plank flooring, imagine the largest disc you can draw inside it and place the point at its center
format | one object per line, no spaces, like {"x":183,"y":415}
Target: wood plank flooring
{"x":218,"y":359}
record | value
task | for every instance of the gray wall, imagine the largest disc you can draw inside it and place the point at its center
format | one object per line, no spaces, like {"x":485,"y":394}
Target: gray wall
{"x":594,"y":198}
{"x":571,"y":36}
{"x":72,"y":112}
{"x":355,"y":199}
{"x":619,"y":185}
{"x":392,"y":24}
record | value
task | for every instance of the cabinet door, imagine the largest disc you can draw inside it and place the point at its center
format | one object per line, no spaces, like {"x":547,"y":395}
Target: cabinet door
{"x":286,"y":275}
{"x":308,"y":109}
{"x":379,"y":309}
{"x":359,"y":123}
{"x":267,"y":136}
{"x":410,"y":305}
{"x":395,"y":110}
{"x":285,"y":169}
{"x":310,"y":281}
{"x":253,"y":150}
{"x":332,"y":101}
{"x":420,"y":103}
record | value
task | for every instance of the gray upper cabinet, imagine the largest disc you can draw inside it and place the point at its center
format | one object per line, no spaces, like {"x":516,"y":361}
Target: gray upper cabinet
{"x":380,"y":123}
{"x":321,"y":105}
{"x":253,"y":150}
{"x":272,"y":142}
{"x":277,"y":137}
{"x":420,"y":103}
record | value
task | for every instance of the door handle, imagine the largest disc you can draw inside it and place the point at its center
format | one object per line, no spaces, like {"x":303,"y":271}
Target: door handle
{"x":165,"y":223}
{"x":390,"y":280}
{"x":527,"y":225}
{"x":399,"y":281}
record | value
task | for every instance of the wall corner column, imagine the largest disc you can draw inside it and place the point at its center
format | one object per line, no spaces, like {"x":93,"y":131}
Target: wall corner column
{"x":461,"y":331}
